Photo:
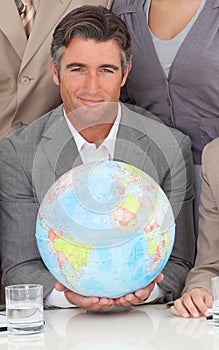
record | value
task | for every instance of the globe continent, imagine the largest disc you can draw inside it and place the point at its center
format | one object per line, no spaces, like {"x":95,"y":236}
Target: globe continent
{"x":105,"y":229}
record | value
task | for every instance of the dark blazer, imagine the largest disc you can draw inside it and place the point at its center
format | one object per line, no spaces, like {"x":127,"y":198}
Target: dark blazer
{"x":188,"y":99}
{"x":33,"y":157}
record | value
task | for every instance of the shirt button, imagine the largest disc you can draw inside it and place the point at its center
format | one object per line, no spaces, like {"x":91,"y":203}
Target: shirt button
{"x":17,"y":124}
{"x":25,"y":80}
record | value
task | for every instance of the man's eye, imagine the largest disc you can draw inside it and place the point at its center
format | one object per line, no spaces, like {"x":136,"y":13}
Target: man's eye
{"x":106,"y":70}
{"x":79,"y":69}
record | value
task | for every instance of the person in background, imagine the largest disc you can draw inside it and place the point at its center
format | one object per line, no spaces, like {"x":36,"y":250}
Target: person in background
{"x":196,"y":296}
{"x":175,"y":67}
{"x":91,"y":59}
{"x":26,"y":87}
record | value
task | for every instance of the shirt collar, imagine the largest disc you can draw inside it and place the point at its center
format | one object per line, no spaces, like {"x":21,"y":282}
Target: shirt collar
{"x":109,"y":141}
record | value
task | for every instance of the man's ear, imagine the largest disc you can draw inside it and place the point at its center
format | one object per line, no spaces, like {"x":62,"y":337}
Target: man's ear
{"x":125,"y":74}
{"x":54,"y":73}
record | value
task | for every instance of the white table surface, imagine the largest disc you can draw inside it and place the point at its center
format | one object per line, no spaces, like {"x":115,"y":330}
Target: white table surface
{"x":148,"y":327}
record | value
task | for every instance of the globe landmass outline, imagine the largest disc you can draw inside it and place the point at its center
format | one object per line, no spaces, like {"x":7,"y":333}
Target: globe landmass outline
{"x":105,"y":229}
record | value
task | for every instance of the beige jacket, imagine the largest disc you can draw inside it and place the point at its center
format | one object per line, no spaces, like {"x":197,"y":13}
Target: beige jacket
{"x":207,"y":260}
{"x":26,"y":87}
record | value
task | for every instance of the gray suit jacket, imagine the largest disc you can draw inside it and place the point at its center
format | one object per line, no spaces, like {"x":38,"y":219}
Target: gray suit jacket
{"x":207,"y":259}
{"x":33,"y":157}
{"x":26,"y":87}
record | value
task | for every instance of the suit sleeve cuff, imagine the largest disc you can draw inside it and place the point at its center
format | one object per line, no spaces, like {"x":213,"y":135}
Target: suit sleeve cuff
{"x":155,"y":294}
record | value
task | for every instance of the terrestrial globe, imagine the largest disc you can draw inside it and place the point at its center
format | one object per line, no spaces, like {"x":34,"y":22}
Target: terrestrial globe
{"x":105,"y":229}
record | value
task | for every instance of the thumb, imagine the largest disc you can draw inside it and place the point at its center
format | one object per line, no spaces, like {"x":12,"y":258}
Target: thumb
{"x":60,"y":287}
{"x":159,"y":278}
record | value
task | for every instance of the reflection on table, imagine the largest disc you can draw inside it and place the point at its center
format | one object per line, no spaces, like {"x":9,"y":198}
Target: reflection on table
{"x":148,"y":327}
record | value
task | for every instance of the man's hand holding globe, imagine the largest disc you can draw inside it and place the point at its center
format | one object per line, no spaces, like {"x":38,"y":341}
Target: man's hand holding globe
{"x":95,"y":303}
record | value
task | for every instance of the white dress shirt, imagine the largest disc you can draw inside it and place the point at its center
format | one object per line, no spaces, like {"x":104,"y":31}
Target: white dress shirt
{"x":89,"y":152}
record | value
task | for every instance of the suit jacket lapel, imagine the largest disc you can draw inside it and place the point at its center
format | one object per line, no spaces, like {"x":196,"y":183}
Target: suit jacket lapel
{"x":12,"y":27}
{"x":62,"y":153}
{"x":59,"y":145}
{"x":56,"y":154}
{"x":129,"y":145}
{"x":53,"y":11}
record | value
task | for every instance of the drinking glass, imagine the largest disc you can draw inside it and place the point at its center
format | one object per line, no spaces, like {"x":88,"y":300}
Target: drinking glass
{"x":24,"y":309}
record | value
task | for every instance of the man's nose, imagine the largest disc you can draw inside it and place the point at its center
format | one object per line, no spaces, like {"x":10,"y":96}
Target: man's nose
{"x":93,"y":83}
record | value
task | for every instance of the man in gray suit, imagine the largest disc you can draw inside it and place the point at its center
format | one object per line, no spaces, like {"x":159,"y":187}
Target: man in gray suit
{"x":91,"y":59}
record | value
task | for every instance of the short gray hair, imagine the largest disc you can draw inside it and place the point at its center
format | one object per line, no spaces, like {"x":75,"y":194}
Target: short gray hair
{"x":91,"y":22}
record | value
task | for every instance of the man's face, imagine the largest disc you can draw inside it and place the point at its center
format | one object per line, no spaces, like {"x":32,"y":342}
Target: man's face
{"x":90,"y":76}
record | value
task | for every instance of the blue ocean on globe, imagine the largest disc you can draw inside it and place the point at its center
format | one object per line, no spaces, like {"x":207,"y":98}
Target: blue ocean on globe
{"x":105,"y":229}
